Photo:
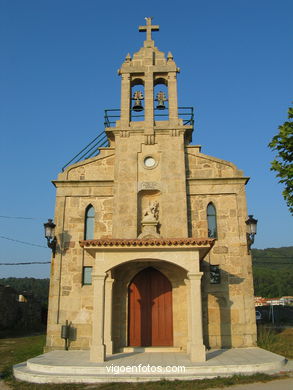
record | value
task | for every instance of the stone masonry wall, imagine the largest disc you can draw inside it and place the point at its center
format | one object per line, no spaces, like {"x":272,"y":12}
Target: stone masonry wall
{"x":78,"y":187}
{"x":228,"y":307}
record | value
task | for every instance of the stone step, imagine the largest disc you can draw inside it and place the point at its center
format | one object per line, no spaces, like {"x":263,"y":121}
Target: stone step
{"x":22,"y":372}
{"x":75,"y":366}
{"x":150,"y":349}
{"x":108,"y":369}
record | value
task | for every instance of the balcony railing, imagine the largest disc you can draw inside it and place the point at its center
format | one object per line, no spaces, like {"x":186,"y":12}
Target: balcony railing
{"x":185,"y":113}
{"x":90,"y":150}
{"x":110,"y":118}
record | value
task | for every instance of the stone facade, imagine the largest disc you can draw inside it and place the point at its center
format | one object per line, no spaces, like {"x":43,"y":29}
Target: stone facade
{"x":149,"y":163}
{"x":228,"y":316}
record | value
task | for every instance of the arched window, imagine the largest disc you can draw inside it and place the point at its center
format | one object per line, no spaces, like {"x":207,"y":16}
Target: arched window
{"x":89,"y":225}
{"x":212,"y":221}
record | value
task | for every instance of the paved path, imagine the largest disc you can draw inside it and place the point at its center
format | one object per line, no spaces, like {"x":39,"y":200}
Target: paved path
{"x":278,"y":384}
{"x":3,"y":386}
{"x":282,"y":384}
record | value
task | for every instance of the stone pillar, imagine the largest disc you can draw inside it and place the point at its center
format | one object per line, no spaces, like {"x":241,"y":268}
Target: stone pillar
{"x":149,"y":104}
{"x":97,"y":352}
{"x":186,"y":281}
{"x":108,"y":315}
{"x":125,"y":101}
{"x":196,"y":348}
{"x":172,"y":97}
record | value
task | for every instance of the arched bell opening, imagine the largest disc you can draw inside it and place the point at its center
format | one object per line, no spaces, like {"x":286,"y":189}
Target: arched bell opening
{"x":161,"y":106}
{"x":137,"y":106}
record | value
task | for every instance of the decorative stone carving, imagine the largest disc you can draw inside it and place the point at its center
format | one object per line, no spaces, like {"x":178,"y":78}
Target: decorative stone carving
{"x":150,"y":221}
{"x":151,"y":213}
{"x":148,"y":185}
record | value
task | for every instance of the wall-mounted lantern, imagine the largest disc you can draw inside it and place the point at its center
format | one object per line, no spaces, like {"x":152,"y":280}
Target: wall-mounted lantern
{"x":50,"y":235}
{"x":251,"y":224}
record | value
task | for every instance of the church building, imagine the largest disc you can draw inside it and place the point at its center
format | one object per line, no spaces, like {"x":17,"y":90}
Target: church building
{"x":152,"y":251}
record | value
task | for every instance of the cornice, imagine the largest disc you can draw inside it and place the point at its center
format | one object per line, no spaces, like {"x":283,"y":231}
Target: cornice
{"x":83,"y":183}
{"x":148,"y":243}
{"x":218,"y":180}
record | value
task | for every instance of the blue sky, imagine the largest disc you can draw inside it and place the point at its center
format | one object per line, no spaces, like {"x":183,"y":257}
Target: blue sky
{"x":59,"y":61}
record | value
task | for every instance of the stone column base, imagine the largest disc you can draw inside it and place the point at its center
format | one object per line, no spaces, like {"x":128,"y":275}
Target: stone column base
{"x":109,"y":347}
{"x":197,"y":353}
{"x":98,"y":353}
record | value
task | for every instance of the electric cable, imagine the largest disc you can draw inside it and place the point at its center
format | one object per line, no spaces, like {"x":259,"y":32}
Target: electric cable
{"x":23,"y":242}
{"x":26,"y":263}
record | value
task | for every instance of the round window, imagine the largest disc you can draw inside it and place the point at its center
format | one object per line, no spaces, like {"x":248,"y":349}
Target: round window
{"x":149,"y":162}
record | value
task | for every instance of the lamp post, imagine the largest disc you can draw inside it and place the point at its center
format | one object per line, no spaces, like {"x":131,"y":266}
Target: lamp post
{"x":251,"y":224}
{"x":50,"y":235}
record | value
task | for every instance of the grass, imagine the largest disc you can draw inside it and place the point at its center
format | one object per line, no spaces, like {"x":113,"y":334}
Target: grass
{"x":276,"y":340}
{"x":160,"y":385}
{"x":19,"y":348}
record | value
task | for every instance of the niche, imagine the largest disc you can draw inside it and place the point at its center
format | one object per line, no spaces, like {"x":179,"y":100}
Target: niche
{"x":147,"y":199}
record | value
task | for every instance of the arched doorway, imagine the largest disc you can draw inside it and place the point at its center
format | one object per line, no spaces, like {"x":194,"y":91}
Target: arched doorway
{"x":150,"y":319}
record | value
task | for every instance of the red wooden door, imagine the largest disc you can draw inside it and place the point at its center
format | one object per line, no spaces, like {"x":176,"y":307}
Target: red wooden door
{"x":150,"y":309}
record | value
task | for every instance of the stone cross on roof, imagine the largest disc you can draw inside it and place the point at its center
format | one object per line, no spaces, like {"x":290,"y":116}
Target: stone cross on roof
{"x":149,"y":28}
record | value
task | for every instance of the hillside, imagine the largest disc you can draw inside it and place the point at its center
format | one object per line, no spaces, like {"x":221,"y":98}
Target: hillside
{"x":273,"y":271}
{"x":39,"y":287}
{"x":273,"y":257}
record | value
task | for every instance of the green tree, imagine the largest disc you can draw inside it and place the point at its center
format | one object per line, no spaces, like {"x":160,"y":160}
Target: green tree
{"x":283,"y":144}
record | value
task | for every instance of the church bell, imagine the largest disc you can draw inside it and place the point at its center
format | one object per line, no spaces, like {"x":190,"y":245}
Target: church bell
{"x":138,"y":97}
{"x":161,"y":98}
{"x":137,"y":106}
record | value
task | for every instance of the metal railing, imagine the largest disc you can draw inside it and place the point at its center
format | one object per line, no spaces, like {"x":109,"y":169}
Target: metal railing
{"x":90,"y":150}
{"x":185,"y":113}
{"x":110,"y":118}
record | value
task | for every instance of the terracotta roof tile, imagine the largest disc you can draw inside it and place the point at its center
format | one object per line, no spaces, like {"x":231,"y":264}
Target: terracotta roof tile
{"x":135,"y":242}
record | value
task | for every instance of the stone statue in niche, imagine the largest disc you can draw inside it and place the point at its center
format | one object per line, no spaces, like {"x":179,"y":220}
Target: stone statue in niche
{"x":151,"y":212}
{"x":150,"y":221}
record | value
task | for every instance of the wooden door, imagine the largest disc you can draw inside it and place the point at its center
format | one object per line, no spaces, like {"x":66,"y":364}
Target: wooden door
{"x":150,"y":309}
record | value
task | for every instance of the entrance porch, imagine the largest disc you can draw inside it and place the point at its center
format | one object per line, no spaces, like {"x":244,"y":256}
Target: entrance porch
{"x":147,"y":293}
